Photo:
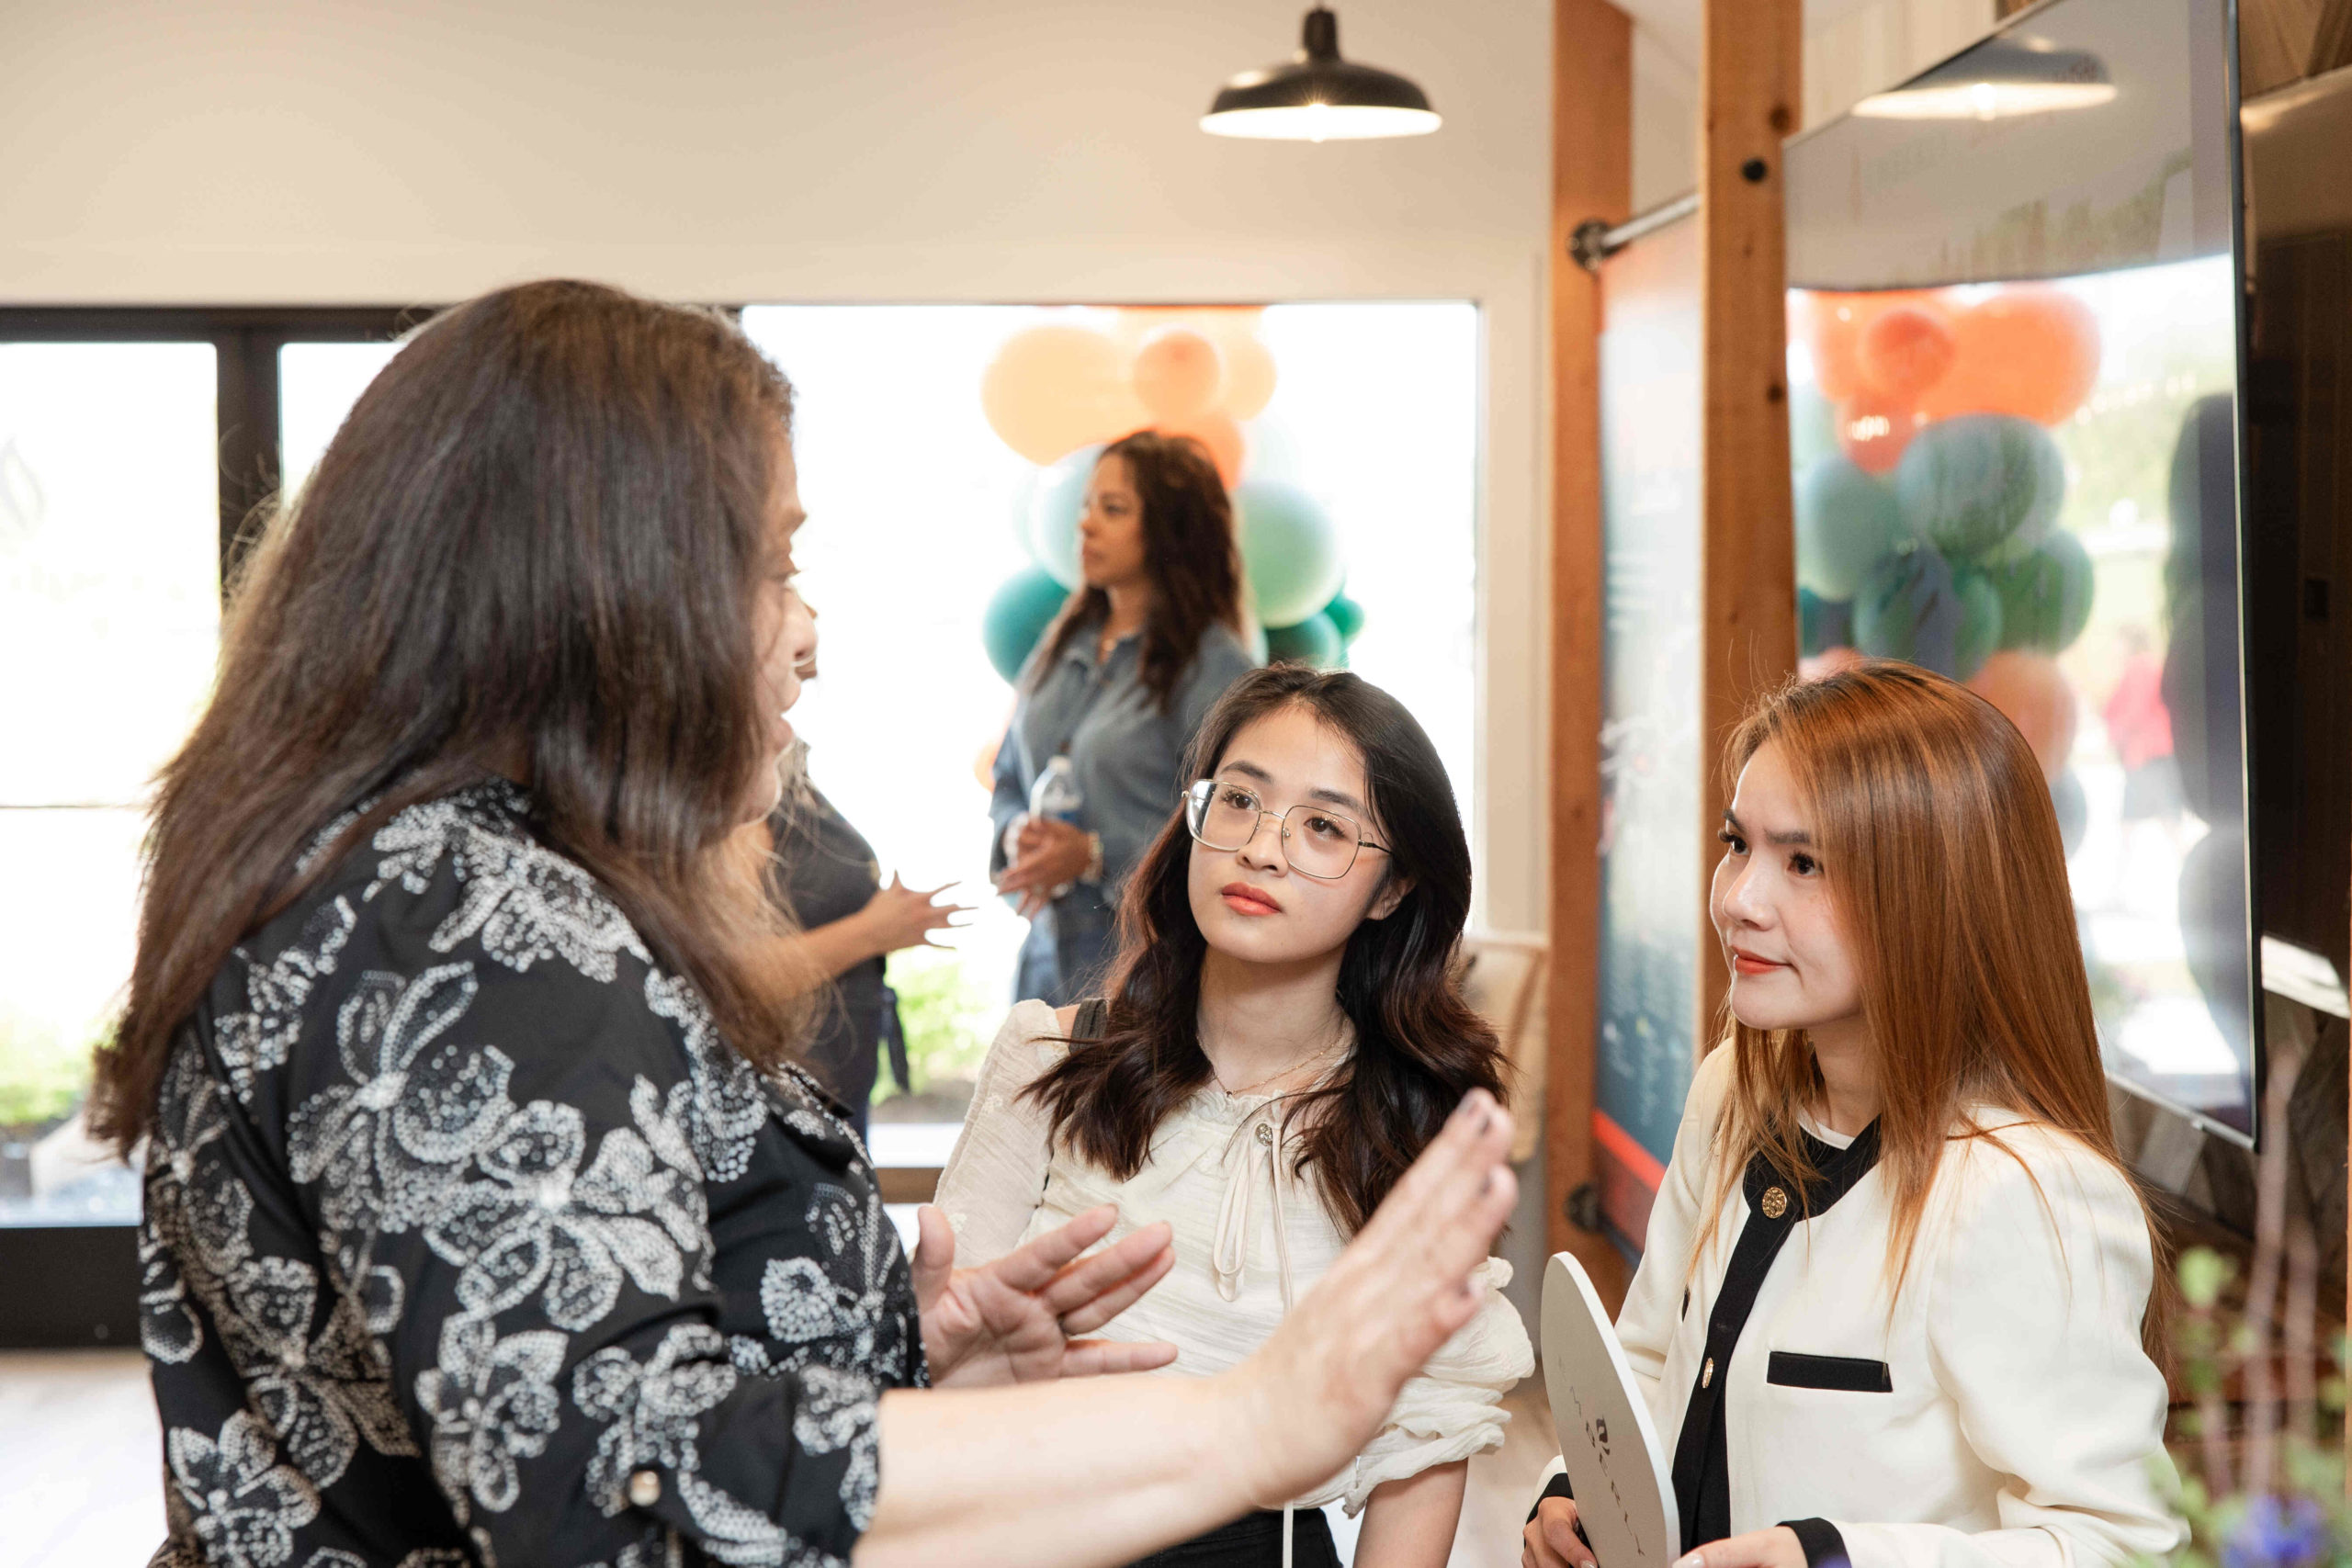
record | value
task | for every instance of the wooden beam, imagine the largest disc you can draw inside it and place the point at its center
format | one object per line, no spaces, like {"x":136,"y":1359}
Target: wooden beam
{"x":1749,"y":90}
{"x":1592,"y":163}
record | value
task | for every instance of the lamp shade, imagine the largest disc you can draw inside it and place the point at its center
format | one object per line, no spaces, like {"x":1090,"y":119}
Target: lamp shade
{"x":1317,"y":97}
{"x":1999,"y":78}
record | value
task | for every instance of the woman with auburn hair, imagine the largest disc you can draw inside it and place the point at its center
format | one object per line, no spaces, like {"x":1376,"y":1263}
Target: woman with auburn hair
{"x":1901,"y":1303}
{"x":487,"y":1217}
{"x":1280,"y":1038}
{"x":1117,"y":687}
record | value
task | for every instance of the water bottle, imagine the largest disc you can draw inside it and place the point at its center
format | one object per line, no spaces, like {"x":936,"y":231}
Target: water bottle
{"x":1055,"y":797}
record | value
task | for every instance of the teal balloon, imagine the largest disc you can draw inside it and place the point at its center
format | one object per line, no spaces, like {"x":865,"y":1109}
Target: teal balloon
{"x":1813,"y":427}
{"x":2045,"y":594}
{"x":1848,"y":523}
{"x":1313,"y":640}
{"x":1290,"y":552}
{"x":1910,"y":609}
{"x":1017,"y":615}
{"x":1345,"y":614}
{"x":1823,"y":624}
{"x":1057,"y":499}
{"x":1980,"y":625}
{"x":1968,"y":485}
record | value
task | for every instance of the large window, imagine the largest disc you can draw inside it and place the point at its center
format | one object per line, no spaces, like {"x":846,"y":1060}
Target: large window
{"x":133,"y":445}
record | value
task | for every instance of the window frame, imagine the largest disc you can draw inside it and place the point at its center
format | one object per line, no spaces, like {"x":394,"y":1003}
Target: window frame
{"x":90,"y":1270}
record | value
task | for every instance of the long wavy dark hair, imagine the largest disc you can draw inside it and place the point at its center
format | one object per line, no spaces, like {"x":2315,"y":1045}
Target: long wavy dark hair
{"x":533,"y":548}
{"x":1189,"y":551}
{"x":1419,"y":1048}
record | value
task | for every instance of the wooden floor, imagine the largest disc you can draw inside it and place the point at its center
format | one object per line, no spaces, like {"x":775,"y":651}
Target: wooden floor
{"x":80,"y":1464}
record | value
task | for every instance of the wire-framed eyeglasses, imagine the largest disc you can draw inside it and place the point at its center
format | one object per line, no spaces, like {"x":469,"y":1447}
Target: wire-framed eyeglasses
{"x":1317,"y":841}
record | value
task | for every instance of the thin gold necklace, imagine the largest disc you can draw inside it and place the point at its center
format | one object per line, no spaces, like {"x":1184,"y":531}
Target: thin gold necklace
{"x":1301,"y":1065}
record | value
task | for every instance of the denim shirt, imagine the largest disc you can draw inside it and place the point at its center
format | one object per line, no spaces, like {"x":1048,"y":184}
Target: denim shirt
{"x":1126,"y":754}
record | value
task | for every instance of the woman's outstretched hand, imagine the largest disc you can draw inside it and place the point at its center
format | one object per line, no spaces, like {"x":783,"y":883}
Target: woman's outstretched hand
{"x":1020,"y":1318}
{"x":1319,"y":1388}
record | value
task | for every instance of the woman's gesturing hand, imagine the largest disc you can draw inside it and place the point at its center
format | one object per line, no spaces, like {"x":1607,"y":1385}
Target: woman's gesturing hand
{"x":1019,"y":1318}
{"x":1550,"y":1539}
{"x":901,"y":916}
{"x":1319,"y":1388}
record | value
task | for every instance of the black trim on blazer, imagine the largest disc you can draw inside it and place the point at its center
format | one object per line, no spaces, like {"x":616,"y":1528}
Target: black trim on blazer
{"x":1824,"y":1543}
{"x":1847,"y":1374}
{"x":1556,"y":1487}
{"x":1702,"y":1456}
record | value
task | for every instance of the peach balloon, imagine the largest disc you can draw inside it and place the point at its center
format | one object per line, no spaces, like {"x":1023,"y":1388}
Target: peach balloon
{"x":1906,"y":350}
{"x":1177,"y":374}
{"x":2032,"y":351}
{"x":1220,"y":435}
{"x":1051,"y":389}
{"x":2029,"y":690}
{"x":1874,"y":430}
{"x":1829,"y":662}
{"x":1248,"y":378}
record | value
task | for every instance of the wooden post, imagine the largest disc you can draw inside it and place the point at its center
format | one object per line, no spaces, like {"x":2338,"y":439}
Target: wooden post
{"x":1592,"y":159}
{"x":1750,"y":59}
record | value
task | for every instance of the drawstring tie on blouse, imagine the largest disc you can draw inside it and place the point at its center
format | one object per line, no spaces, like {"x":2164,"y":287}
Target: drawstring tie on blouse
{"x":1229,"y":1251}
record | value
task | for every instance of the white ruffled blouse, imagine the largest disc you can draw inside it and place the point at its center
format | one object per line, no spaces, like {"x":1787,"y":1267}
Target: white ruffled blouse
{"x":1210,"y":1175}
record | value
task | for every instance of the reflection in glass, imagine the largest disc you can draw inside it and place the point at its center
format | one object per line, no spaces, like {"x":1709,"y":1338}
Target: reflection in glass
{"x":110,"y":619}
{"x":2013,"y":390}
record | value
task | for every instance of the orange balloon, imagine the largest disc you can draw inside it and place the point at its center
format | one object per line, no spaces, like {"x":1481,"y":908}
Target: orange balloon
{"x":1248,"y":378}
{"x":1874,"y":430}
{"x":1833,"y":324}
{"x":1833,"y":328}
{"x":1177,"y":374}
{"x":1221,"y":436}
{"x":1906,"y":350}
{"x":1051,"y":389}
{"x":2029,"y":689}
{"x":2030,"y":350}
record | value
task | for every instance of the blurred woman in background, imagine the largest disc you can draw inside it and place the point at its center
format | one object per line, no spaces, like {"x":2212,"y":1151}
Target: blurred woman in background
{"x":1153,"y":635}
{"x":825,"y":876}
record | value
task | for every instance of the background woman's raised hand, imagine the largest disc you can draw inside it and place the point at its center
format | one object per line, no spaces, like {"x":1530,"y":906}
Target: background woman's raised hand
{"x":900,"y":917}
{"x":1020,"y":1318}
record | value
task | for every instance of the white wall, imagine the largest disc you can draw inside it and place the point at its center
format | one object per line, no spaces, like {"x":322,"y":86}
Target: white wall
{"x":264,"y":151}
{"x":1852,"y":48}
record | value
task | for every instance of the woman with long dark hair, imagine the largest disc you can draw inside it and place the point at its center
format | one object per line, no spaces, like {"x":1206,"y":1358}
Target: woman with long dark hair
{"x":1282,"y":1037}
{"x":486,"y":1218}
{"x":1901,"y":1304}
{"x":1116,"y":687}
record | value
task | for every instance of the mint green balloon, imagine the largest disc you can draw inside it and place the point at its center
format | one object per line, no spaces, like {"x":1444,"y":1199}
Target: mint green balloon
{"x":1345,"y":614}
{"x":1969,"y":484}
{"x":1848,"y":523}
{"x":1980,"y":624}
{"x":1057,"y":499}
{"x":1813,"y":427}
{"x":1290,"y":552}
{"x":2045,"y":594}
{"x":1313,"y":640}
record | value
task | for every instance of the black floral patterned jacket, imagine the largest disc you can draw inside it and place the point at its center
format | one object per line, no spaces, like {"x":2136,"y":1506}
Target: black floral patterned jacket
{"x":468,"y":1241}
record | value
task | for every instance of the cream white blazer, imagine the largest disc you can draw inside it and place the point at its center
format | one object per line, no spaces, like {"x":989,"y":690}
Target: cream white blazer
{"x":2000,"y":1412}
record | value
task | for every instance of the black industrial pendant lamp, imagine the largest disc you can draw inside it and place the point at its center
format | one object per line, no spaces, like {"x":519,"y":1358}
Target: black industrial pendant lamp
{"x":1317,"y":97}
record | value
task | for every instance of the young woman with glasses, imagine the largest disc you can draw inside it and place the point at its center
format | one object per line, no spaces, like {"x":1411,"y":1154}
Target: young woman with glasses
{"x":1280,"y":1038}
